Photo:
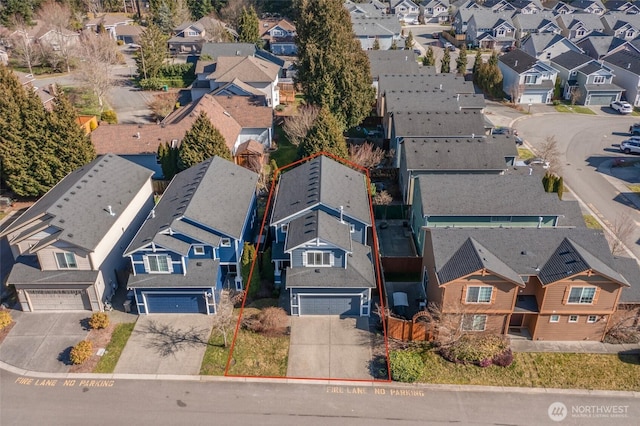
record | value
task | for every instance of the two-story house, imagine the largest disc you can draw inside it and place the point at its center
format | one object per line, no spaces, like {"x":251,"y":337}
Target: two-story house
{"x":111,"y":22}
{"x":528,"y":7}
{"x":68,"y":246}
{"x":594,"y":7}
{"x":542,"y":22}
{"x":562,"y":8}
{"x":189,"y":37}
{"x":279,"y":35}
{"x":542,"y":284}
{"x":545,"y":46}
{"x":626,"y":69}
{"x":622,"y":25}
{"x":574,"y":26}
{"x":320,"y":223}
{"x":491,"y":30}
{"x":190,"y":246}
{"x":370,"y":8}
{"x":435,"y":11}
{"x":599,"y":46}
{"x":586,"y":81}
{"x":625,"y":6}
{"x":405,"y":10}
{"x":385,"y":29}
{"x":526,"y":79}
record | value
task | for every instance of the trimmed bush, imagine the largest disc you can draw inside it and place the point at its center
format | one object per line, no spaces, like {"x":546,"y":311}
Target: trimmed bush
{"x":406,"y":366}
{"x":5,"y":319}
{"x":81,"y":352}
{"x":151,"y":84}
{"x":503,"y":359}
{"x":480,"y":350}
{"x":99,"y":320}
{"x":109,"y":116}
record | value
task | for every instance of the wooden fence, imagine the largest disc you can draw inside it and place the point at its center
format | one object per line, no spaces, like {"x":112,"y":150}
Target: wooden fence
{"x":401,"y":329}
{"x":402,"y":264}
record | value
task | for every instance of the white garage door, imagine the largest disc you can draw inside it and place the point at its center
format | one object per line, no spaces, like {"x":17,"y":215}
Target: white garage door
{"x":533,"y":98}
{"x":58,"y":300}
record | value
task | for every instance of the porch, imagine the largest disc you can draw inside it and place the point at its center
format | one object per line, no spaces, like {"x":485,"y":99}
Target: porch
{"x":523,"y":318}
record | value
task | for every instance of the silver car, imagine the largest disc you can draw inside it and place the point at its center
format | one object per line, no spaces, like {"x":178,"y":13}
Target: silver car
{"x":630,"y":146}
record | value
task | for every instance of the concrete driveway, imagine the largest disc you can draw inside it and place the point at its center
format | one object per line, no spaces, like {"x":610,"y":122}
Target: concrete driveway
{"x":166,"y":344}
{"x":330,"y":347}
{"x":42,"y":341}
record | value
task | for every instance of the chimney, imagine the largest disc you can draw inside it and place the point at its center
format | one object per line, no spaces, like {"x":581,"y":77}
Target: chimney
{"x":111,"y":212}
{"x":440,"y":86}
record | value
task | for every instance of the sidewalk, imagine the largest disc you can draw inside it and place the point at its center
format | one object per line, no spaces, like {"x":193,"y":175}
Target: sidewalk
{"x":581,"y":347}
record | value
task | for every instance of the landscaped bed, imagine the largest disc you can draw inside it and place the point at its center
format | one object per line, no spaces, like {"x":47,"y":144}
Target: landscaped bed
{"x":574,"y":109}
{"x":119,"y":338}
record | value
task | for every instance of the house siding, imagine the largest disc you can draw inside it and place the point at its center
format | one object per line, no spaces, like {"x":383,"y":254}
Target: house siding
{"x":503,"y":299}
{"x":297,"y":256}
{"x":47,"y":257}
{"x":564,"y":330}
{"x":554,"y":294}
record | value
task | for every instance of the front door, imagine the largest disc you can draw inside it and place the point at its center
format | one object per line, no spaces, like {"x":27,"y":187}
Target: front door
{"x":516,"y":320}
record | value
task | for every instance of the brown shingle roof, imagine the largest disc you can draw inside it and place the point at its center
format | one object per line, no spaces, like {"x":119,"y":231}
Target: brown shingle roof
{"x":245,"y":68}
{"x":247,"y":111}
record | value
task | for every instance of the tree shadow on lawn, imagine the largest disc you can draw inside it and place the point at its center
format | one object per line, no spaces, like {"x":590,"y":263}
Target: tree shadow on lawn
{"x":167,"y":340}
{"x":630,"y":357}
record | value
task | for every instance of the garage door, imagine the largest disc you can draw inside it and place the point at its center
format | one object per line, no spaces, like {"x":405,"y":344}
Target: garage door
{"x":180,"y":303}
{"x":601,"y":99}
{"x":329,"y":305}
{"x":533,"y":98}
{"x":58,"y":300}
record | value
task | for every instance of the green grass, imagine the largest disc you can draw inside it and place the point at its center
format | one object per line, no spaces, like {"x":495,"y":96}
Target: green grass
{"x":574,"y":109}
{"x":85,"y":101}
{"x":634,"y":188}
{"x":119,"y":339}
{"x":254,"y":354}
{"x":2,"y":215}
{"x":591,"y":222}
{"x":286,"y":152}
{"x":551,"y":370}
{"x":525,"y":154}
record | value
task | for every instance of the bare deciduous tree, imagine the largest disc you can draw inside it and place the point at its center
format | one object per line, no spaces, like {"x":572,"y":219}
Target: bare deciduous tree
{"x":624,"y":326}
{"x":224,"y":318}
{"x":366,"y":155}
{"x":216,"y":32}
{"x":576,"y":94}
{"x":383,"y":198}
{"x":621,"y":228}
{"x":550,"y":152}
{"x":163,"y":104}
{"x":23,"y":48}
{"x":57,"y":18}
{"x":97,"y":54}
{"x":297,"y":126}
{"x":231,"y":12}
{"x":515,"y":91}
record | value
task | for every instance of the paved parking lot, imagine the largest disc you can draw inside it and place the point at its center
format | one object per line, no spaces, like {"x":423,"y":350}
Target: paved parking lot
{"x":330,"y":347}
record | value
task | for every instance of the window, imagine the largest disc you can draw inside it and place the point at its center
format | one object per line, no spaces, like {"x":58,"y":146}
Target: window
{"x":474,"y":322}
{"x":580,"y":33}
{"x":477,"y":294}
{"x":530,"y":79}
{"x":598,"y":79}
{"x":554,"y":318}
{"x":352,"y":228}
{"x":225,"y":242}
{"x":548,"y":55}
{"x":583,"y":295}
{"x":198,"y":250}
{"x":318,"y":258}
{"x":158,"y":263}
{"x":500,"y":218}
{"x":573,"y":318}
{"x":66,"y":260}
{"x":629,"y":33}
{"x":592,"y":318}
{"x":284,"y":228}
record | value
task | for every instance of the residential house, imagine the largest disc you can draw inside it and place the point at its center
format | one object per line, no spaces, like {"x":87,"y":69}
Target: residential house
{"x":491,"y":30}
{"x":526,"y":79}
{"x":535,"y":23}
{"x":491,"y":154}
{"x":622,"y":25}
{"x":384,"y":62}
{"x":599,"y":46}
{"x":626,"y":69}
{"x":623,"y":6}
{"x":44,"y":36}
{"x":370,"y":8}
{"x":68,"y":246}
{"x":586,"y":81}
{"x":46,"y":94}
{"x":594,"y":7}
{"x":462,"y":17}
{"x":251,"y":70}
{"x":129,"y":34}
{"x":190,"y":246}
{"x":498,"y":6}
{"x":319,"y":223}
{"x":528,"y":7}
{"x":450,"y":200}
{"x":385,"y":29}
{"x":545,"y":46}
{"x":577,"y":25}
{"x":542,"y":284}
{"x":279,"y":35}
{"x":110,"y":22}
{"x":560,"y":7}
{"x":435,"y":11}
{"x":405,"y":10}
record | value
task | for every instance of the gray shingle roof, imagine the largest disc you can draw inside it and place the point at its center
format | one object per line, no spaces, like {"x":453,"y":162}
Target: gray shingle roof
{"x":448,"y":82}
{"x":321,"y":225}
{"x":392,"y":61}
{"x":547,"y":252}
{"x":434,"y":124}
{"x":322,"y":181}
{"x":215,"y":193}
{"x":78,"y":204}
{"x":590,"y":68}
{"x":571,"y":60}
{"x":459,"y":155}
{"x":532,"y":21}
{"x":26,"y":271}
{"x":629,"y":269}
{"x":216,"y":50}
{"x":542,"y":41}
{"x":518,"y":60}
{"x":358,"y":273}
{"x":625,"y":60}
{"x":430,"y":100}
{"x":375,"y":25}
{"x":597,"y":46}
{"x":502,"y":195}
{"x":589,"y":21}
{"x":200,"y":273}
{"x":486,"y":18}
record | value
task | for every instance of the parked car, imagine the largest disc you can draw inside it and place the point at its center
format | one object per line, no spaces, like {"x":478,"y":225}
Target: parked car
{"x":630,"y":146}
{"x":436,"y":34}
{"x":634,"y":129}
{"x":519,"y":140}
{"x":504,"y":131}
{"x":449,"y":46}
{"x":622,"y":107}
{"x":537,"y":161}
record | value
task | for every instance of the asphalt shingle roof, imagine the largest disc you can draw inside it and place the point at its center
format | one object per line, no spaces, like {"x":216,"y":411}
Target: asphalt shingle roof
{"x":434,"y":124}
{"x":571,"y":60}
{"x":429,"y":81}
{"x":321,"y":225}
{"x":375,"y":25}
{"x":430,"y":100}
{"x":597,"y":46}
{"x":200,"y":273}
{"x":625,"y":60}
{"x":518,"y":60}
{"x":392,"y":61}
{"x":629,"y":269}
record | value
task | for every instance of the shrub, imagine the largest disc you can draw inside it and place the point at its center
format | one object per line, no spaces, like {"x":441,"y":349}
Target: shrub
{"x":81,"y":352}
{"x":503,"y":359}
{"x":93,"y":125}
{"x":5,"y":319}
{"x":273,"y":320}
{"x":476,"y":349}
{"x":406,"y":366}
{"x":151,"y":84}
{"x":280,"y":108}
{"x":120,"y":42}
{"x":99,"y":320}
{"x":556,"y":102}
{"x":109,"y":116}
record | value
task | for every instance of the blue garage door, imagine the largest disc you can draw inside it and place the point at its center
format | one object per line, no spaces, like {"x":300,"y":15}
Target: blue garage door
{"x":162,"y":303}
{"x":330,"y":305}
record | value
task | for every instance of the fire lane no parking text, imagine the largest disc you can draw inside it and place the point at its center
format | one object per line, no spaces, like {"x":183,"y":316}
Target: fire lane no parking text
{"x":361,"y":390}
{"x":28,"y":381}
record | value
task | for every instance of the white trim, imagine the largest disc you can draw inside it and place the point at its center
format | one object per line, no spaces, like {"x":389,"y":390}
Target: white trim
{"x":576,"y":320}
{"x":551,"y":318}
{"x":197,"y":247}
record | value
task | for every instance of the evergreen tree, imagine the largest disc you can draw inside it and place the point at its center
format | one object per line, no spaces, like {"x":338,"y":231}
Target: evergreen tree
{"x":152,"y":53}
{"x":461,"y":62}
{"x":202,"y":141}
{"x":248,"y":254}
{"x":445,"y":64}
{"x":394,"y":45}
{"x":168,"y":157}
{"x":199,"y":8}
{"x":17,"y":9}
{"x":163,"y":17}
{"x":333,"y":70}
{"x":430,"y":58}
{"x":325,"y":135}
{"x":560,"y":187}
{"x":476,"y":63}
{"x":408,"y":42}
{"x":557,"y":89}
{"x":248,"y":26}
{"x":376,"y":44}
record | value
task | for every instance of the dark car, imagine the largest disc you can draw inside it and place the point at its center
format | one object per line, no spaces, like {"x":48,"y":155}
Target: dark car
{"x":634,"y":129}
{"x":435,"y":35}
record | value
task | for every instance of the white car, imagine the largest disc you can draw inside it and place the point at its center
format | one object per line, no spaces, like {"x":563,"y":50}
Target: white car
{"x":622,"y":107}
{"x":630,"y":146}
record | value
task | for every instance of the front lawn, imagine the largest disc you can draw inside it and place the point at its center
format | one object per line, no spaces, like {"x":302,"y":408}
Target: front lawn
{"x":634,"y":188}
{"x":574,"y":109}
{"x":119,"y":339}
{"x":551,"y":370}
{"x":286,"y":153}
{"x":525,"y":154}
{"x":591,"y":222}
{"x":84,"y":100}
{"x":254,"y":354}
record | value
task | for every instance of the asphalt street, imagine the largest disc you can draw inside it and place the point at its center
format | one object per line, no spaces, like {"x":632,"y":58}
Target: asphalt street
{"x":585,"y":141}
{"x":27,"y":401}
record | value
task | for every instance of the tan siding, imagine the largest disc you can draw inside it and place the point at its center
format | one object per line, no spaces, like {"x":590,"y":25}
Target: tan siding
{"x":503,"y":295}
{"x":557,"y":292}
{"x":530,"y":289}
{"x":47,"y":258}
{"x":495,"y":324}
{"x":563,"y":330}
{"x":434,"y":293}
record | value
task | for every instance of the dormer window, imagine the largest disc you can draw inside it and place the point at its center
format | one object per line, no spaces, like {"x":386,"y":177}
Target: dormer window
{"x":198,"y":250}
{"x":66,"y":261}
{"x":157,"y":264}
{"x":598,"y":79}
{"x":318,"y":258}
{"x":225,"y":242}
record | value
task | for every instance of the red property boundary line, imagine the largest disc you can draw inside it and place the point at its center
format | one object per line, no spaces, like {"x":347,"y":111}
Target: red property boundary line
{"x":274,"y":181}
